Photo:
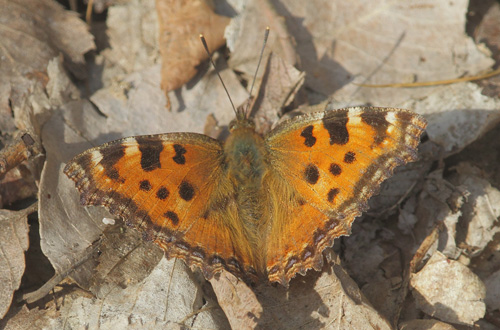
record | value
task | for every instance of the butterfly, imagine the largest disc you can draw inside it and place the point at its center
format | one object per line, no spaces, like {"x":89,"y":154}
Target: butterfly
{"x":263,"y":207}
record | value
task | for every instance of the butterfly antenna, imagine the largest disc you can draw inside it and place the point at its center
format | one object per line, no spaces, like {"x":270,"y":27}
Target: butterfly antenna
{"x":266,"y":36}
{"x":204,"y":42}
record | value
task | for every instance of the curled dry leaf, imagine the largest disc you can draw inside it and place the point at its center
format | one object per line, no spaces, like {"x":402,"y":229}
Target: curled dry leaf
{"x":181,"y":22}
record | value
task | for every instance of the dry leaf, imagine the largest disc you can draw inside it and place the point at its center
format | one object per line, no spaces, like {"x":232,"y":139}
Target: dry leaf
{"x":67,"y":230}
{"x":124,"y":259}
{"x":30,"y":39}
{"x":492,"y":284}
{"x":486,"y":33}
{"x":132,"y":29}
{"x":13,"y":242}
{"x":278,"y":88}
{"x":318,"y":300}
{"x":166,"y":299}
{"x":426,"y":325}
{"x":237,"y":300}
{"x":29,"y":318}
{"x":380,"y":42}
{"x":245,"y":36}
{"x":459,"y":300}
{"x":458,"y":115}
{"x":434,"y":207}
{"x":482,"y":210}
{"x":181,"y":23}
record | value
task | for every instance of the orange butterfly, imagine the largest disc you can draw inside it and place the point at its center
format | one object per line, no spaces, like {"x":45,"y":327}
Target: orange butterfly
{"x":261,"y":207}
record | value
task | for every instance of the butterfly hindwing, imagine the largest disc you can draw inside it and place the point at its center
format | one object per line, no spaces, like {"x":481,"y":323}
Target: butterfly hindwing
{"x":165,"y":185}
{"x":332,"y":162}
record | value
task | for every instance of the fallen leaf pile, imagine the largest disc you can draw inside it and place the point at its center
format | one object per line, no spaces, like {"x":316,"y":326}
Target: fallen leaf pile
{"x":425,"y":256}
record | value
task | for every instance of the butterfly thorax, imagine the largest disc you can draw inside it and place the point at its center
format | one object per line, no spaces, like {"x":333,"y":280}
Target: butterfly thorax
{"x":245,"y":154}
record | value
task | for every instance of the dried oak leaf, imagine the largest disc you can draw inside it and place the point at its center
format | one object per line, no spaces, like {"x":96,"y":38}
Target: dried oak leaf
{"x":181,"y":22}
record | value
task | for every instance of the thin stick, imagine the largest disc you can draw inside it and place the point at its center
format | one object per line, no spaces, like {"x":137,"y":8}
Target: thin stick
{"x":434,"y":83}
{"x":204,"y":42}
{"x":88,"y":13}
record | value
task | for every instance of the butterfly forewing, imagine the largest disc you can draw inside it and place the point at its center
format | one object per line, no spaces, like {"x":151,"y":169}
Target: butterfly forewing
{"x":333,"y":162}
{"x":165,"y":185}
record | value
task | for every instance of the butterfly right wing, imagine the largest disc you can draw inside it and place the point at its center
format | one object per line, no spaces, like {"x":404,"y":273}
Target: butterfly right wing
{"x":326,"y":166}
{"x":172,"y":188}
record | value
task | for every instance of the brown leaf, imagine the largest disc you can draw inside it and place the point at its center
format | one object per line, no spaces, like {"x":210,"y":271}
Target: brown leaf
{"x":317,"y":300}
{"x":245,"y":36}
{"x":32,"y":33}
{"x":13,"y":242}
{"x":278,"y":88}
{"x":459,"y":300}
{"x":181,"y":22}
{"x":124,"y":259}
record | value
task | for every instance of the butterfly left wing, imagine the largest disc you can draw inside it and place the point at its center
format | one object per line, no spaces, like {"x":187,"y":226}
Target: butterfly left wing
{"x":326,"y":166}
{"x":172,"y":188}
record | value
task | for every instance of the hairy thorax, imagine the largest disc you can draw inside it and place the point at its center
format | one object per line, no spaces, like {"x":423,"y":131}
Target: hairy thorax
{"x":245,"y":154}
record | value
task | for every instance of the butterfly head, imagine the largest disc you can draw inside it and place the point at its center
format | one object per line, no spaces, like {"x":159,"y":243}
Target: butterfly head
{"x":241,"y":121}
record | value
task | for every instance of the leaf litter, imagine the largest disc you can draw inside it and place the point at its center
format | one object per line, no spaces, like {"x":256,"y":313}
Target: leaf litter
{"x":364,"y":283}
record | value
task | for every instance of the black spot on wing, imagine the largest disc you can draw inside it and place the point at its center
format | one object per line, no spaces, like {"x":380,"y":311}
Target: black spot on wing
{"x":145,"y":185}
{"x":311,"y":174}
{"x":378,"y":122}
{"x":179,"y":154}
{"x":162,"y":193}
{"x":349,"y":157}
{"x":186,"y":191}
{"x":335,"y":122}
{"x":335,"y":169}
{"x":150,"y":149}
{"x":173,"y":217}
{"x":113,"y":174}
{"x":332,"y":194}
{"x":310,"y":140}
{"x":110,"y":157}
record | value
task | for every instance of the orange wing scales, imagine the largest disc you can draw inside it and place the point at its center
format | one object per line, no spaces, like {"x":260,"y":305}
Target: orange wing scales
{"x":336,"y":161}
{"x":255,"y":207}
